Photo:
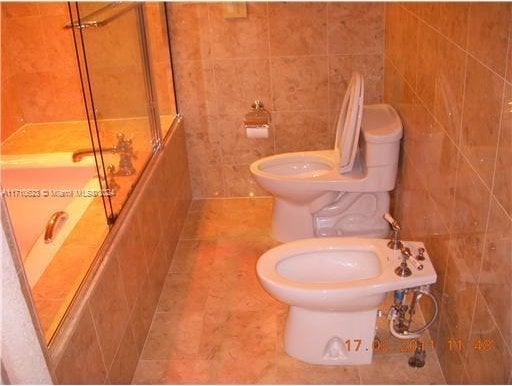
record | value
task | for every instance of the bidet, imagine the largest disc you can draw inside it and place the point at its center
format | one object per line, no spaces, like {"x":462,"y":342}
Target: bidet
{"x":334,"y":287}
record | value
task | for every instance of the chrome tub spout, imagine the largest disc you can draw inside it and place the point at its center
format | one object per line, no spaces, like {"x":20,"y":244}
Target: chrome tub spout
{"x":81,"y":153}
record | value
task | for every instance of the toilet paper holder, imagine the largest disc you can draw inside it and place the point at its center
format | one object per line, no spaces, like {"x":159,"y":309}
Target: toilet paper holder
{"x":258,"y":117}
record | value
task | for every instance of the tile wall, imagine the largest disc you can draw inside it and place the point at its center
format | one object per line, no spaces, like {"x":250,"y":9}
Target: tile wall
{"x":108,"y":324}
{"x":40,"y":77}
{"x":448,"y":71}
{"x":40,"y":80}
{"x":295,"y":57}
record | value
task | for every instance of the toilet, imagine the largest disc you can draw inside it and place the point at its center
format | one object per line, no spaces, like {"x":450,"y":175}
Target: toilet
{"x":338,"y":192}
{"x":334,"y":287}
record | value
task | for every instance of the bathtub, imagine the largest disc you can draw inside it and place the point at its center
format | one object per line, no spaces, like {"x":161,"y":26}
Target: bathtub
{"x":37,"y":185}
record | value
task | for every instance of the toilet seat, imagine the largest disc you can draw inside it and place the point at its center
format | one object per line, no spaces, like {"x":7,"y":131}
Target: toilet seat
{"x":348,"y":125}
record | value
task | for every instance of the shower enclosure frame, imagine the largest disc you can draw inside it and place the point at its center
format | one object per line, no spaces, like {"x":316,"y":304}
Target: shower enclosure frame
{"x":78,"y":27}
{"x":80,"y":24}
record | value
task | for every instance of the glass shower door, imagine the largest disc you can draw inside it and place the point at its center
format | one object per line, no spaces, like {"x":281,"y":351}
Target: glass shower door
{"x":121,"y":99}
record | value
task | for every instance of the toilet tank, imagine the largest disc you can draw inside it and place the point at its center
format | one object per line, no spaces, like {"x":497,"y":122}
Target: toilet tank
{"x":380,"y":140}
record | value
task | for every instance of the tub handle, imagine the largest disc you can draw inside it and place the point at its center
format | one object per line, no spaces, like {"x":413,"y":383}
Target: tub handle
{"x":49,"y":233}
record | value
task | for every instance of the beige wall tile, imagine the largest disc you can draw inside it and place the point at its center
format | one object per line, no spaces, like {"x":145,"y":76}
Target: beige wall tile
{"x":503,"y":172}
{"x":401,"y":41}
{"x":238,"y":182}
{"x":298,"y":28}
{"x":239,"y":82}
{"x":453,"y":21}
{"x":53,"y":8}
{"x":125,"y":361}
{"x":234,"y":144}
{"x":481,"y":120}
{"x":207,"y":181}
{"x":295,"y":77}
{"x":36,"y":89}
{"x":301,"y":131}
{"x":495,"y":285}
{"x":20,"y":9}
{"x":195,"y":88}
{"x":448,"y":352}
{"x":67,"y":90}
{"x":449,"y":87}
{"x":240,"y":37}
{"x":300,"y":83}
{"x":470,"y":217}
{"x":142,"y":313}
{"x":458,"y":299}
{"x":470,"y":268}
{"x":120,"y":331}
{"x":488,"y":27}
{"x":356,"y":28}
{"x":150,"y":235}
{"x":488,"y":358}
{"x":58,"y":41}
{"x":26,"y":45}
{"x":109,"y":310}
{"x":509,"y":59}
{"x":12,"y":115}
{"x":399,"y":94}
{"x":82,"y":348}
{"x":190,"y":31}
{"x":341,"y":68}
{"x":133,"y":261}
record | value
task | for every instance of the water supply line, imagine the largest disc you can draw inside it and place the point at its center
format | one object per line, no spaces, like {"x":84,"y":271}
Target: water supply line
{"x":398,"y":314}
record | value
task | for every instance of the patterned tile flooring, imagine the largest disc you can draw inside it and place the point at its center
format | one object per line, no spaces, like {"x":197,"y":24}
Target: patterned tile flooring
{"x":215,"y":324}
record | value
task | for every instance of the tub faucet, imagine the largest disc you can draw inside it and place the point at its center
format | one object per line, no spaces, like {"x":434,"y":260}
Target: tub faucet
{"x":81,"y":153}
{"x":124,"y":148}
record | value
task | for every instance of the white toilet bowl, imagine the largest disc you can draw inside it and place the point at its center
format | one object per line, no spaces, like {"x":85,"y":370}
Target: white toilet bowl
{"x":334,"y":287}
{"x":352,"y":180}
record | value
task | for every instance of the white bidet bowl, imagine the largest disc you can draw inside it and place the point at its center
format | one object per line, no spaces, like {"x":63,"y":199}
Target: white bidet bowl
{"x":334,"y":287}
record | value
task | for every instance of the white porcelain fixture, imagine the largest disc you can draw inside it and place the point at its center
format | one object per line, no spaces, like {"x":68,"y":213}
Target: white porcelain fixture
{"x":338,"y":192}
{"x":56,"y":182}
{"x":333,"y":287}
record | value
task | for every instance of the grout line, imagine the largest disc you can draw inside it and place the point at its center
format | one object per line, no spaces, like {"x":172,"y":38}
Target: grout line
{"x":271,"y":83}
{"x":213,"y":60}
{"x":97,"y":339}
{"x":327,"y":41}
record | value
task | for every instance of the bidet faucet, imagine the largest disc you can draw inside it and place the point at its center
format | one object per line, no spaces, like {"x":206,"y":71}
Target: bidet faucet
{"x":394,"y":243}
{"x":403,"y":270}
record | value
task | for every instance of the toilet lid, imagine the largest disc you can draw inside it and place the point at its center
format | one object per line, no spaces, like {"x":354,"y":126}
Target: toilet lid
{"x":349,"y":121}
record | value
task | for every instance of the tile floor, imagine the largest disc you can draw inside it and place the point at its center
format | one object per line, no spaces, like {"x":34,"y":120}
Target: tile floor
{"x":215,"y":324}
